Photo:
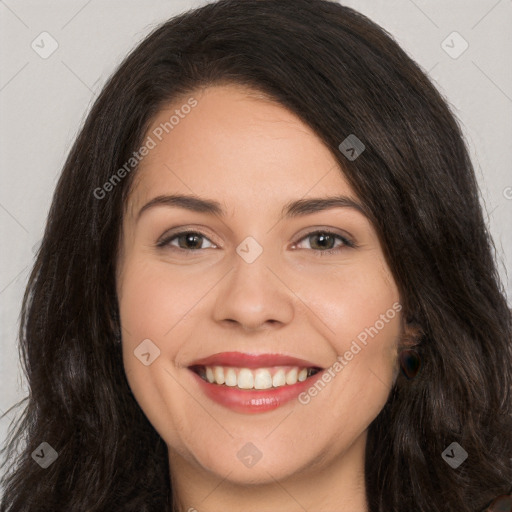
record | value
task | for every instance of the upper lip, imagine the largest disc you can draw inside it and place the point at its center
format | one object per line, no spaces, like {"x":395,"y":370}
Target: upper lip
{"x":244,"y":360}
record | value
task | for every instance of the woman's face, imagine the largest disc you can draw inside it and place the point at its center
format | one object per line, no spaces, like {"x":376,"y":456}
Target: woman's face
{"x":253,"y":280}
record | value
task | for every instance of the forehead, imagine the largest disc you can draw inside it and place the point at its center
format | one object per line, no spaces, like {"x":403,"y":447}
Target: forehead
{"x":237,"y":146}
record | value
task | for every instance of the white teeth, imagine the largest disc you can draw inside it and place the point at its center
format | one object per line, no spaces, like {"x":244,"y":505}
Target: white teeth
{"x":245,"y":379}
{"x":261,"y":378}
{"x":218,"y":373}
{"x":279,"y":379}
{"x":291,"y":376}
{"x":230,"y":377}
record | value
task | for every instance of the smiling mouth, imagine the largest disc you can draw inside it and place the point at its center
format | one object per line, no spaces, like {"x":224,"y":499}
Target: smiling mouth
{"x":254,"y":379}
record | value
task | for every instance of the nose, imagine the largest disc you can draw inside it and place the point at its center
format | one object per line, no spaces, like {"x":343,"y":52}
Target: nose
{"x":254,"y":296}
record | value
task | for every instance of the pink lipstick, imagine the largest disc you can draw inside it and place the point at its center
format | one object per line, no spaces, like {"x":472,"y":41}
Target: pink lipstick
{"x":253,"y":383}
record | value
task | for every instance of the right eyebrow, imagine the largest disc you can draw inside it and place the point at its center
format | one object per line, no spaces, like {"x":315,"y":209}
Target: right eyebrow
{"x":189,"y":202}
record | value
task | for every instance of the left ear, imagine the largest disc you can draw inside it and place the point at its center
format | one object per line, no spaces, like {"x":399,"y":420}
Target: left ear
{"x":412,"y":332}
{"x":410,"y":337}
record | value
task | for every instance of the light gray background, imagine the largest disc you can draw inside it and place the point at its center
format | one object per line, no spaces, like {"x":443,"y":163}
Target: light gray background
{"x":44,"y":101}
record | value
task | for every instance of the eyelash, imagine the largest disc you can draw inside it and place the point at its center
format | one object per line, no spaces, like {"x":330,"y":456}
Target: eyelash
{"x":346,"y":242}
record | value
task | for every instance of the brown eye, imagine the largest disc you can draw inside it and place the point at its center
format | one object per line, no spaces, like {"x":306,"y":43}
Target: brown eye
{"x":323,"y":242}
{"x":187,"y":240}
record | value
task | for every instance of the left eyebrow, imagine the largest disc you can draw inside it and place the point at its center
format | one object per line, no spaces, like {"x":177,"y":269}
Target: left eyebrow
{"x":317,"y":204}
{"x":292,"y":209}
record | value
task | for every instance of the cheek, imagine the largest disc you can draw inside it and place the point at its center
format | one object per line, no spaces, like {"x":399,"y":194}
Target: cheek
{"x":160,"y":305}
{"x":154,"y":300}
{"x":149,"y":308}
{"x":152,"y":307}
{"x":359,"y":313}
{"x":350,"y":300}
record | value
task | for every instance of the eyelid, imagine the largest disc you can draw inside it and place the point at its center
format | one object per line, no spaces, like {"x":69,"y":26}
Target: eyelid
{"x":180,"y":230}
{"x":346,"y":237}
{"x":346,"y":243}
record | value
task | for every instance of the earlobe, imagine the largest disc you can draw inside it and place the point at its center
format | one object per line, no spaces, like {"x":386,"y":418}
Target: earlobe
{"x":410,"y":363}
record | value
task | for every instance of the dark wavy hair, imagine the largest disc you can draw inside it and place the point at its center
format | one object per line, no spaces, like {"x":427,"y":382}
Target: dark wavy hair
{"x":341,"y":74}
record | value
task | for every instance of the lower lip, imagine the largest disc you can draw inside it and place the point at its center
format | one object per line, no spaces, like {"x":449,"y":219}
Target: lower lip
{"x":252,"y":401}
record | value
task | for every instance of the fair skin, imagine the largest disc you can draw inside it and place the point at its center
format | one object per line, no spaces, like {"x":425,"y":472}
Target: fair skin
{"x":254,"y":156}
